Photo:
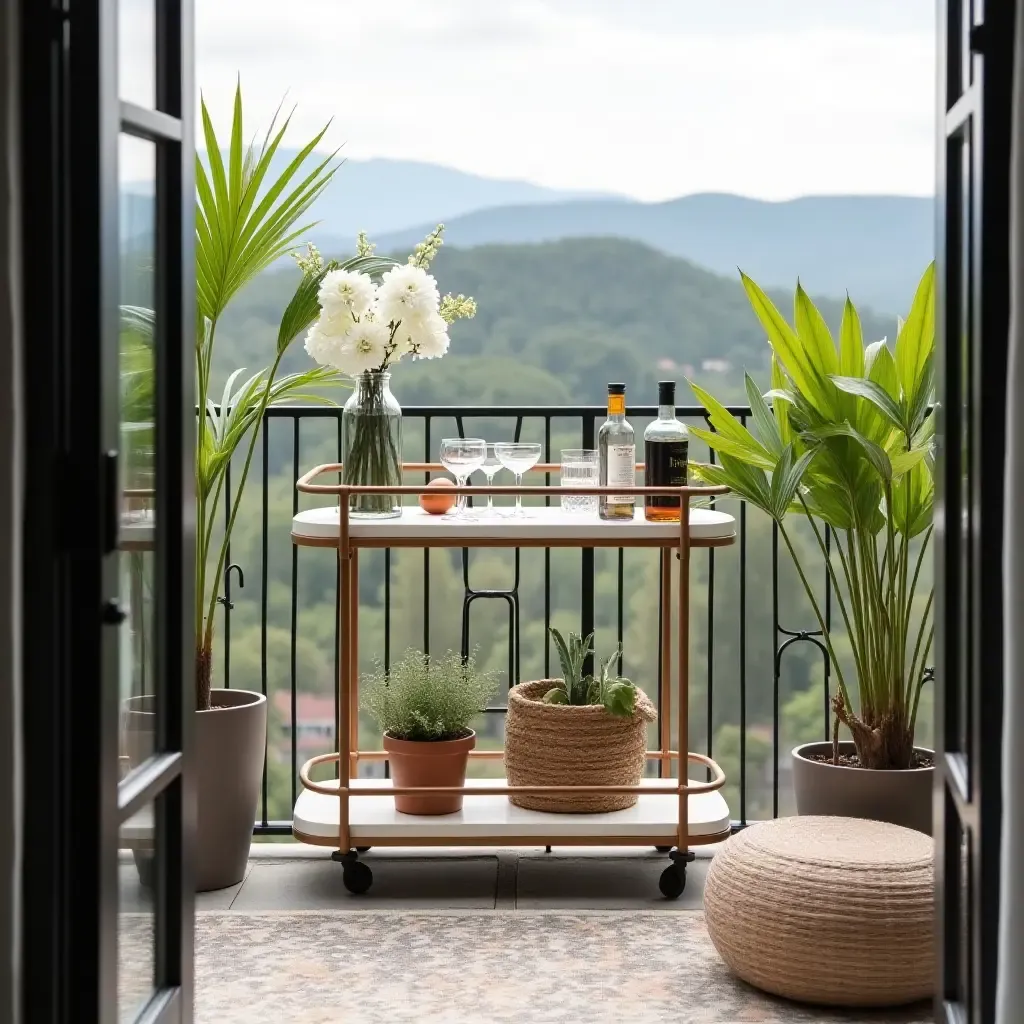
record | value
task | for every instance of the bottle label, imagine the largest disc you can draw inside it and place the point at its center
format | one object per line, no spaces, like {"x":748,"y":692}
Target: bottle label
{"x":621,"y":471}
{"x":665,"y":466}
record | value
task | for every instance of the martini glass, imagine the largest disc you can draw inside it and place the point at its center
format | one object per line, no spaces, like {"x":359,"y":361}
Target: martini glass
{"x":462,"y":457}
{"x":518,"y":458}
{"x":490,"y":466}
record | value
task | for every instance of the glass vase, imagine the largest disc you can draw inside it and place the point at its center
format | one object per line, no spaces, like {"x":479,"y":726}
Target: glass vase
{"x":371,"y":445}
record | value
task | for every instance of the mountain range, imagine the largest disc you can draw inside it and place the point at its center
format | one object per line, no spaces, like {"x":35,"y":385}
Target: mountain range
{"x":872,"y":247}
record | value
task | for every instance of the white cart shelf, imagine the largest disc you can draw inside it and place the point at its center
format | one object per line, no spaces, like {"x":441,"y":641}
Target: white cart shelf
{"x":544,"y":527}
{"x":352,"y":814}
{"x":493,"y":820}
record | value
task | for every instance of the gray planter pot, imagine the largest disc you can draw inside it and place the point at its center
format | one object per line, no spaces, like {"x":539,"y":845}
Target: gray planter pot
{"x":229,"y":743}
{"x":901,"y":797}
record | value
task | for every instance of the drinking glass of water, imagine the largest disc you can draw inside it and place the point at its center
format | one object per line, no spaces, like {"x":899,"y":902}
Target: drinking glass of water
{"x":517,"y":458}
{"x":579,"y":469}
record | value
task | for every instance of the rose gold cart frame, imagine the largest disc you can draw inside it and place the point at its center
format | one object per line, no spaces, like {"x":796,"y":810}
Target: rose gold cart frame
{"x":349,"y":756}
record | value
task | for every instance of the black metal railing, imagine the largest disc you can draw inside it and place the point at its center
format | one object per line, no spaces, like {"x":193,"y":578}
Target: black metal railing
{"x":296,"y":436}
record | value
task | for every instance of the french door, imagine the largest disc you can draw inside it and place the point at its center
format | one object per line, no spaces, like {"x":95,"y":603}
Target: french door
{"x":972,"y":323}
{"x":107,"y":167}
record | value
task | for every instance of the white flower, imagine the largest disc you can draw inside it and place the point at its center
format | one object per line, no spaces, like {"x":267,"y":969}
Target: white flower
{"x":364,"y":347}
{"x":323,"y":341}
{"x":343,"y":290}
{"x":406,"y":291}
{"x":428,"y":336}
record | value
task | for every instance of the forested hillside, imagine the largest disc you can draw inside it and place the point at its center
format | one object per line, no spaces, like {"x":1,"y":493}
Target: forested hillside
{"x":557,"y":321}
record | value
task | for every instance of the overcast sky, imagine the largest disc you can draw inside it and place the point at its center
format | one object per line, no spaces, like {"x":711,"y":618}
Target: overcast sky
{"x":651,"y":98}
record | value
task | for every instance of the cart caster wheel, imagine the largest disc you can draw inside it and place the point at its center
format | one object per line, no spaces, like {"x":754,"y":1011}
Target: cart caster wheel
{"x":357,"y":877}
{"x":363,"y":849}
{"x":663,"y":849}
{"x":673,"y":881}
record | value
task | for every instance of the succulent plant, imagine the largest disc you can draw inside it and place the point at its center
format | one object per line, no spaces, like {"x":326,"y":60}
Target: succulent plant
{"x":614,"y":693}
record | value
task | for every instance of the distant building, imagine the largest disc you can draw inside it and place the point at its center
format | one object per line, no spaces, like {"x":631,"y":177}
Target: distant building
{"x":667,"y":364}
{"x":716,"y":365}
{"x":314,"y":723}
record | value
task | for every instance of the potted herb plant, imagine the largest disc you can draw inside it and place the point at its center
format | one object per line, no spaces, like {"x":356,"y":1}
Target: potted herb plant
{"x":847,"y":442}
{"x":245,"y":221}
{"x":580,"y":730}
{"x":424,"y":707}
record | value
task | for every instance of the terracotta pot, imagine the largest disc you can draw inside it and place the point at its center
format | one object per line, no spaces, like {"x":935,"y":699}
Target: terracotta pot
{"x":429,"y":763}
{"x":901,"y":797}
{"x":229,"y":743}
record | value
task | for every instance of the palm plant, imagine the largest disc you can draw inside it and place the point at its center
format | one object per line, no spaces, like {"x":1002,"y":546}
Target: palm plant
{"x":847,"y":441}
{"x":244,"y":222}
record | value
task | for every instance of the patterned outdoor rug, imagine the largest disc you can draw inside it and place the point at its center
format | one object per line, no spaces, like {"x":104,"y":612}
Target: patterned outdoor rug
{"x":493,"y":967}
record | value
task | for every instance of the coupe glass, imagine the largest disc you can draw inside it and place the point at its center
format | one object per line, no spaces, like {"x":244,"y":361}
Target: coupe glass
{"x":517,"y":458}
{"x":490,"y":466}
{"x":462,"y":456}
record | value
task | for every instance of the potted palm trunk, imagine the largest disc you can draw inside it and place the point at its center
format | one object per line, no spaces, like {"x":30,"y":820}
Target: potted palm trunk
{"x":579,"y":730}
{"x":245,"y":221}
{"x":847,"y":442}
{"x":424,"y":707}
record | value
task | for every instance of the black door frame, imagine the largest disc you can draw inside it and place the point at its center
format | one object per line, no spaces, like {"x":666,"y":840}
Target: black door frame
{"x":71,"y":118}
{"x":975,"y":88}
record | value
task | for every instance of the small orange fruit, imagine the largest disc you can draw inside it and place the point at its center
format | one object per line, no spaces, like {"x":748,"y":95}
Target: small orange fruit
{"x":438,"y":504}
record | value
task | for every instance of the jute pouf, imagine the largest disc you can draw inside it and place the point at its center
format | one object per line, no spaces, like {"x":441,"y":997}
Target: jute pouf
{"x":566,"y":745}
{"x":826,"y":910}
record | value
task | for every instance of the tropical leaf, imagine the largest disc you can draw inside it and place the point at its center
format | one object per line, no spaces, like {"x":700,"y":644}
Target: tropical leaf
{"x":814,"y":334}
{"x":913,"y":502}
{"x":881,"y":370}
{"x":764,"y":422}
{"x":917,"y":408}
{"x":727,"y":446}
{"x":730,"y":434}
{"x":876,"y":454}
{"x":745,"y":481}
{"x":875,"y":394}
{"x":780,"y":410}
{"x":916,"y":339}
{"x":851,"y":342}
{"x":903,"y":462}
{"x":790,"y":350}
{"x":786,"y":479}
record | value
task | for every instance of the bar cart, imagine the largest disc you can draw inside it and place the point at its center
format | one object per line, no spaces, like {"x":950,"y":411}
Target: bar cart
{"x":353,"y":814}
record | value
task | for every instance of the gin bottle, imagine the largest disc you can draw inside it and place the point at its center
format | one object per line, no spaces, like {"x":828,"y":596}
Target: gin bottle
{"x":617,"y":449}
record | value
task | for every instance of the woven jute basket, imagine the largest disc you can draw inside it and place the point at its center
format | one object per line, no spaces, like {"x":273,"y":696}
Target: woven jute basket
{"x":829,"y":910}
{"x":563,"y":745}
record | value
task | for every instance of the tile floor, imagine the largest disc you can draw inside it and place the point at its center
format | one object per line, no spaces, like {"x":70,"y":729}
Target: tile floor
{"x":290,"y":878}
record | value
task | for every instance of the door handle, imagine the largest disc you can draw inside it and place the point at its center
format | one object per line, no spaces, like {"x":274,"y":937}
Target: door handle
{"x":113,"y":614}
{"x":112,"y":501}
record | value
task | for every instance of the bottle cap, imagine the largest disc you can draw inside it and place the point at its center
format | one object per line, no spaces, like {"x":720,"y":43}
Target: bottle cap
{"x":616,"y":389}
{"x":666,"y":392}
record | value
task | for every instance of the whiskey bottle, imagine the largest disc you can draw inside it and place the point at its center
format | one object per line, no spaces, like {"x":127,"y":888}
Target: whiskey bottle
{"x":617,"y":457}
{"x":666,"y":445}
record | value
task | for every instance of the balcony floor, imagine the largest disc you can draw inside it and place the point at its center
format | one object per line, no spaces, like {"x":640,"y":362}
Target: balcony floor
{"x":484,"y":926}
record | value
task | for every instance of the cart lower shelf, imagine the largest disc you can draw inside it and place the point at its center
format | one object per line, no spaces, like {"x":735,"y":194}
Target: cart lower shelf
{"x":494,"y":821}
